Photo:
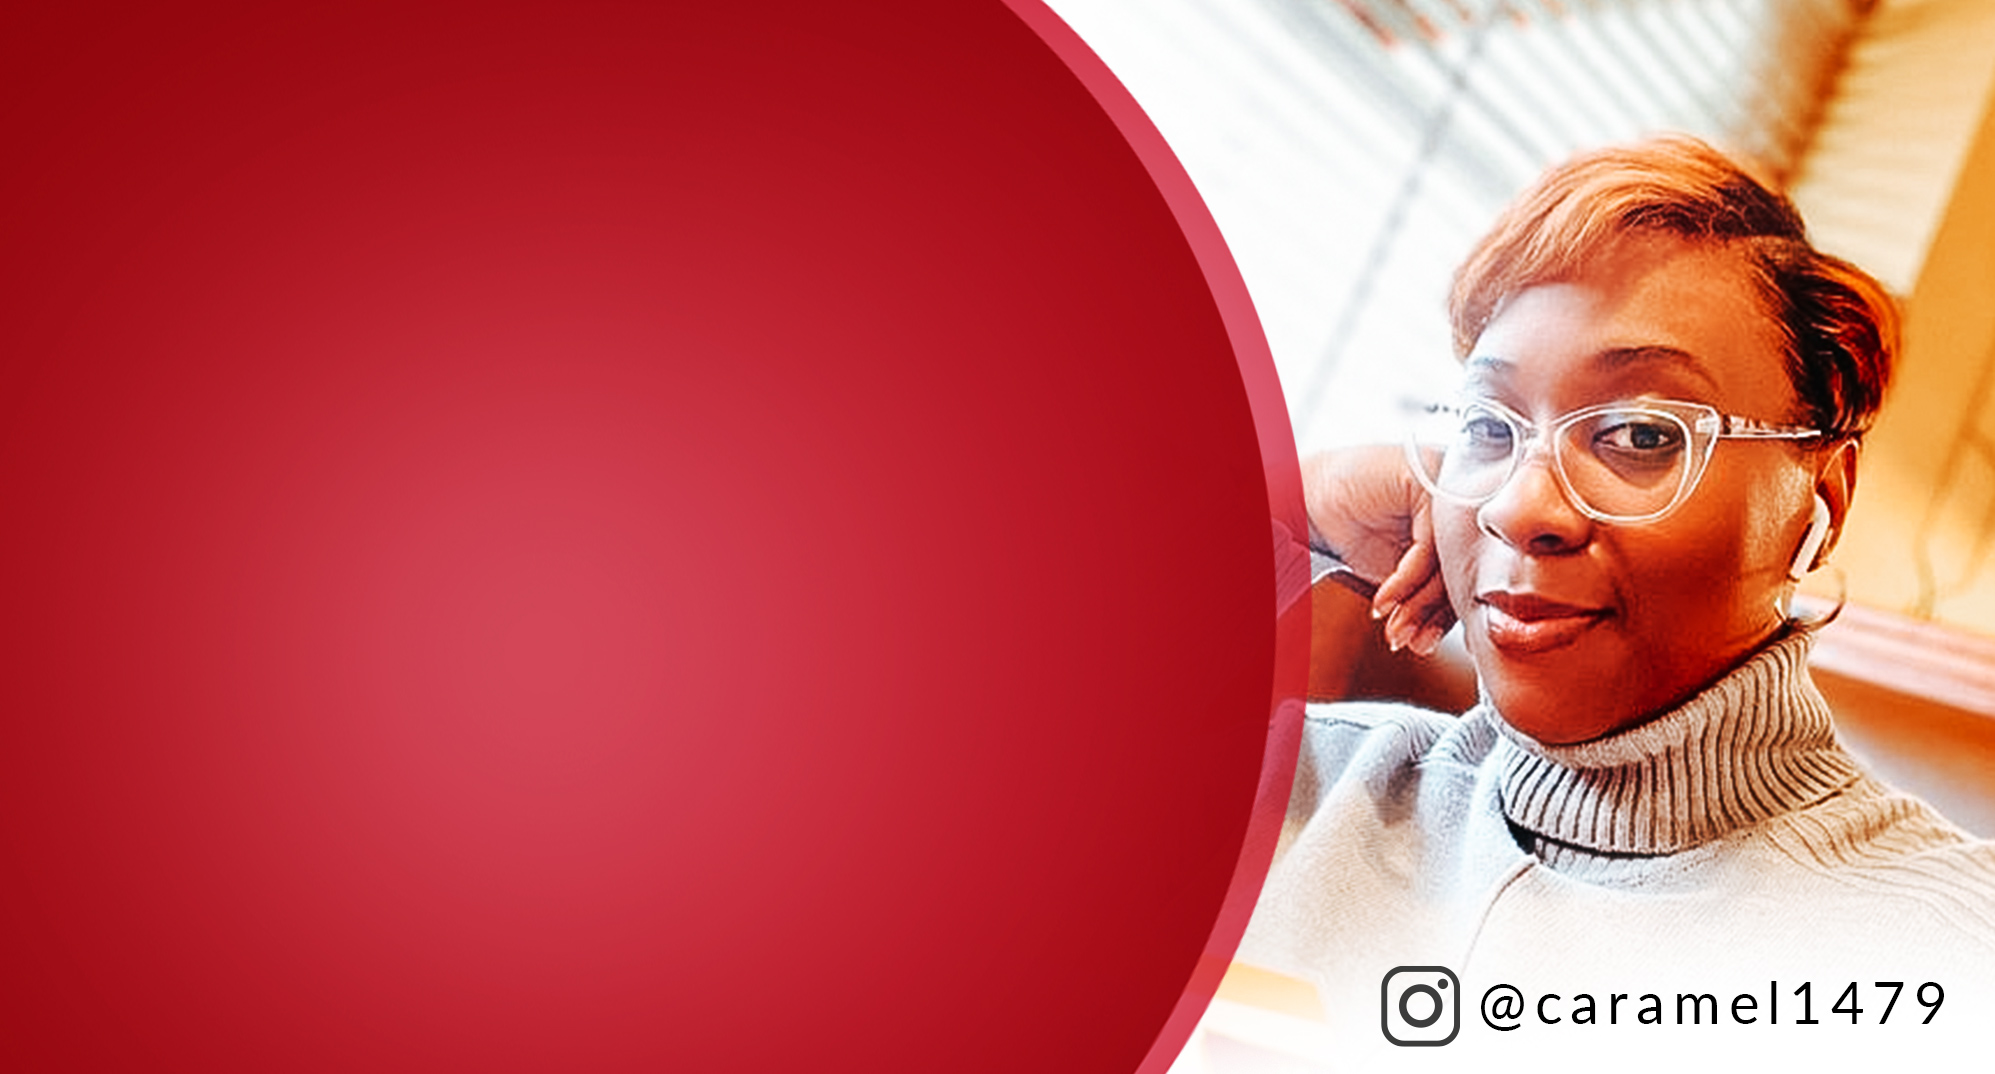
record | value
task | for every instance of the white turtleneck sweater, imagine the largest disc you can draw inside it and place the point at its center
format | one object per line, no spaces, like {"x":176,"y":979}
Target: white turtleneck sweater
{"x":1724,"y":846}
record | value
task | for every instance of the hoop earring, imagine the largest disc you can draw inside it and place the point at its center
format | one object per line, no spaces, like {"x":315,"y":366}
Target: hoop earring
{"x":1816,"y":620}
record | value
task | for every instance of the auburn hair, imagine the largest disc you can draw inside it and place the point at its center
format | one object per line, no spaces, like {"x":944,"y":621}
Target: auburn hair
{"x":1840,"y":325}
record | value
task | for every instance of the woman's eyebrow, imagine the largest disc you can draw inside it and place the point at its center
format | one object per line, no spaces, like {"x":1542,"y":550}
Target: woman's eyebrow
{"x":1617,"y":358}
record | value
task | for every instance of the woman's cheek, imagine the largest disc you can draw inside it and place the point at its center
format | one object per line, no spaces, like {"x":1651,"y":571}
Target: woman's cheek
{"x":1758,"y":519}
{"x":1697,"y":595}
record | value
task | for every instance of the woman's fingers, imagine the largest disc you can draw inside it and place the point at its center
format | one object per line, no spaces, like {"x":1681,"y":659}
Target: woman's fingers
{"x":1433,"y":592}
{"x":1440,"y":616}
{"x":1413,"y":599}
{"x":1415,"y":566}
{"x":1419,"y":622}
{"x":1368,"y":508}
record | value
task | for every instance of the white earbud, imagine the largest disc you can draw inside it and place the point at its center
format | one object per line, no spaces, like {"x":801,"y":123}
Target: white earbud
{"x":1811,"y":545}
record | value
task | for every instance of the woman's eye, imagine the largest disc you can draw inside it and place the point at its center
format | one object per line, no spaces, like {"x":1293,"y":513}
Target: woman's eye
{"x":1639,"y":436}
{"x":1484,"y":433}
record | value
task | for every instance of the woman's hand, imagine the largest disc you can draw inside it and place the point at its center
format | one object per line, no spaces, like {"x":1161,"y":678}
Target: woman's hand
{"x":1370,"y":511}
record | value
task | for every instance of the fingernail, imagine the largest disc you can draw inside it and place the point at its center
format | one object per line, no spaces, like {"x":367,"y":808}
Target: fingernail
{"x":1380,"y":611}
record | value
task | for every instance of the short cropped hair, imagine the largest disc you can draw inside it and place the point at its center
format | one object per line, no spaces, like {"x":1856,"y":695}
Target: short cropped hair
{"x":1840,"y":324}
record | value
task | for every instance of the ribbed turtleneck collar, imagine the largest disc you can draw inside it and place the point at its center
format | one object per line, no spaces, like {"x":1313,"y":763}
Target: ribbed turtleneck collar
{"x":1754,"y":745}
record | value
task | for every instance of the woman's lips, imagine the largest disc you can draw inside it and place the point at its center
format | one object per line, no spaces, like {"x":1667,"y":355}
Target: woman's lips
{"x":1528,"y":623}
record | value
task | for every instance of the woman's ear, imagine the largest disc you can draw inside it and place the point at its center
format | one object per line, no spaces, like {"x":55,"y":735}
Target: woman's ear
{"x":1835,"y":486}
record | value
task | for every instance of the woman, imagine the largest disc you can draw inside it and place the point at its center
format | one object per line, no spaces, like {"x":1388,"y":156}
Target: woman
{"x":1665,"y":391}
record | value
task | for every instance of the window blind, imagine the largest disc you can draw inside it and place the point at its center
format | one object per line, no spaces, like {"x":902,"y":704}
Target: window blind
{"x":1352,"y":150}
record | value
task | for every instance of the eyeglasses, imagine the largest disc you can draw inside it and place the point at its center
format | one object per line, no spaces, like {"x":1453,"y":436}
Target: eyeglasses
{"x":1620,"y":462}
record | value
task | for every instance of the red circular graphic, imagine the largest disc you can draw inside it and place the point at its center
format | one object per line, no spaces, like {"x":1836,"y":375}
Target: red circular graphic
{"x":605,"y":536}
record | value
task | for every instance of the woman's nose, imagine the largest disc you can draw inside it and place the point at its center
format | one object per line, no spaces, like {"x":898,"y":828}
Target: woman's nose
{"x":1532,"y":512}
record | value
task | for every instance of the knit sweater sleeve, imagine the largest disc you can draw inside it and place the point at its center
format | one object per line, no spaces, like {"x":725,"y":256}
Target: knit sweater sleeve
{"x":1356,"y":759}
{"x":1354,"y":746}
{"x":1892,"y":847}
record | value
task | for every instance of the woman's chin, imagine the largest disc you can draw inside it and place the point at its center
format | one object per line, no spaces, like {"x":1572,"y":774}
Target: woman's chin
{"x":1564,"y":732}
{"x":1564,"y":683}
{"x":1559,"y":706}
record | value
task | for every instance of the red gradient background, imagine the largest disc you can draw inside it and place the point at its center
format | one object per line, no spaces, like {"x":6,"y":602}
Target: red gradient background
{"x":560,"y":536}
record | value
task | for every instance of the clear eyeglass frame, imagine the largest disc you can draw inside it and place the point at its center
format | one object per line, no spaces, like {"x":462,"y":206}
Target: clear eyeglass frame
{"x":1701,"y":426}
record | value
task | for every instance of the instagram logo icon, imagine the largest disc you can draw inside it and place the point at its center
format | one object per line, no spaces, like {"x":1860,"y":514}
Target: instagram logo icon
{"x":1420,"y":1006}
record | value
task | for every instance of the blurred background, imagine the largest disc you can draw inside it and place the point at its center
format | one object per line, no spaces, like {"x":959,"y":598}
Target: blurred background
{"x":1353,"y":150}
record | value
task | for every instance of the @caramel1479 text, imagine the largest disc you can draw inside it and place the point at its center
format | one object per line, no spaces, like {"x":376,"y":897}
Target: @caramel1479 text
{"x":1505,"y":1007}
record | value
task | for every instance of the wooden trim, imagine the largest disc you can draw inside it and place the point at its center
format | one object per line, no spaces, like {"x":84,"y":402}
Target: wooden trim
{"x":1908,"y":656}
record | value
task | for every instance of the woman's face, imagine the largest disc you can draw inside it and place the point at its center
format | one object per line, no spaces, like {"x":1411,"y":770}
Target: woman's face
{"x":1581,"y":628}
